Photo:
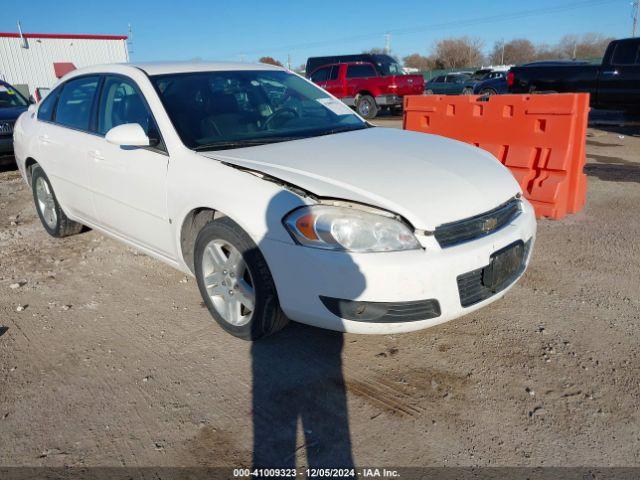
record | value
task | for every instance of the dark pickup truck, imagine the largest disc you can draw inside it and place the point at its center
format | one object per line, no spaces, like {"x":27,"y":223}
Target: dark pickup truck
{"x":615,"y":84}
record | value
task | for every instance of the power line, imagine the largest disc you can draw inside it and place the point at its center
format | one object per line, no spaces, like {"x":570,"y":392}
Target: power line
{"x":440,"y":26}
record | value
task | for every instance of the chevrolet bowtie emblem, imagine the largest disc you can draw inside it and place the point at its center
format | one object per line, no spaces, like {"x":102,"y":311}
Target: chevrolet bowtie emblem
{"x":489,"y":224}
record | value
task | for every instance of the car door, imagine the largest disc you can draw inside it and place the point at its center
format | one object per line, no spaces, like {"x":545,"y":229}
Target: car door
{"x":130,"y":183}
{"x":63,"y":136}
{"x":619,"y":82}
{"x":454,"y":84}
{"x":436,"y":85}
{"x":334,"y":84}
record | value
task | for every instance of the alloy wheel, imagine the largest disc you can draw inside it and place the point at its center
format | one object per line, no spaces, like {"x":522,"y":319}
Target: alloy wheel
{"x":46,"y":203}
{"x":228,"y":282}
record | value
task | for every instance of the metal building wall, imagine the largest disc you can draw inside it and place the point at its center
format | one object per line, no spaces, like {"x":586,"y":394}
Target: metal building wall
{"x":34,"y":65}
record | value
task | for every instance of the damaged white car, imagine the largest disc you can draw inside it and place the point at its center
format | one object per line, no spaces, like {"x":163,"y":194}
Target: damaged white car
{"x":281,"y":201}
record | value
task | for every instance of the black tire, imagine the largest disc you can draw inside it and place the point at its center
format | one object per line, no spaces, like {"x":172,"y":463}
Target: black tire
{"x":267,"y":316}
{"x":366,"y":106}
{"x":63,"y":226}
{"x":488,"y":92}
{"x":467,"y":91}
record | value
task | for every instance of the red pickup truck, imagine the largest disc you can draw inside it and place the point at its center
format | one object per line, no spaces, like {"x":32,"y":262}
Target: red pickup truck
{"x":359,"y":85}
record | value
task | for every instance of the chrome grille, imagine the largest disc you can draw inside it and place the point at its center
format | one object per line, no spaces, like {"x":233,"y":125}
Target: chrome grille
{"x":6,"y":128}
{"x":450,"y":234}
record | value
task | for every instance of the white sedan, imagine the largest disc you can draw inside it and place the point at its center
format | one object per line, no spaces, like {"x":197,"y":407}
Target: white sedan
{"x":280,"y":200}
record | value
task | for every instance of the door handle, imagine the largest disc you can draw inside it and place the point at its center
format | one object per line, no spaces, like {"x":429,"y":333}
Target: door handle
{"x":611,"y":72}
{"x":44,"y":139}
{"x":96,"y":155}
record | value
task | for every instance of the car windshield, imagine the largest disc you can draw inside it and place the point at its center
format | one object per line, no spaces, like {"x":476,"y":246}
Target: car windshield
{"x":9,"y":97}
{"x":232,"y":109}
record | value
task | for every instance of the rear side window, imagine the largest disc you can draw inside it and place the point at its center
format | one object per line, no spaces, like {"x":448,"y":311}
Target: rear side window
{"x":438,"y":80}
{"x":75,"y":102}
{"x":360,"y":71}
{"x":626,"y":53}
{"x":45,"y":110}
{"x":320,"y":75}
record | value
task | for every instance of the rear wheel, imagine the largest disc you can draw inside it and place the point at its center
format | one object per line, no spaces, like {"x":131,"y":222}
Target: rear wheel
{"x":53,"y":219}
{"x":467,"y":91}
{"x":235,"y":281}
{"x":366,"y":106}
{"x":428,"y":91}
{"x":488,"y":91}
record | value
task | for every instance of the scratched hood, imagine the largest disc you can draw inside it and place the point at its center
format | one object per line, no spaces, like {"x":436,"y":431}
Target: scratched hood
{"x":427,"y":179}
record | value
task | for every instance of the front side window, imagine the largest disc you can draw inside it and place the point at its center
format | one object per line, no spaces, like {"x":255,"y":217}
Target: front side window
{"x":360,"y":71}
{"x":231,"y":109}
{"x":333,"y":75}
{"x":457,"y":78}
{"x":320,"y":75}
{"x":75,"y":102}
{"x":10,"y":97}
{"x":121,"y":102}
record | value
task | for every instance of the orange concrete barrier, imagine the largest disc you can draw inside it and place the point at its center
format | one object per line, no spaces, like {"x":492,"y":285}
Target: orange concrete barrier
{"x":540,"y":138}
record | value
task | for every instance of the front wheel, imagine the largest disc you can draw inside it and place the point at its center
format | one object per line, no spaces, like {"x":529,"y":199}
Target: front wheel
{"x":366,"y":106}
{"x":235,"y":281}
{"x":53,"y":218}
{"x":467,"y":91}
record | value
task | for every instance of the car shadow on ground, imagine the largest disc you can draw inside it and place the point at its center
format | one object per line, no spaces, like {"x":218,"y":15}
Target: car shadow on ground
{"x":298,"y":383}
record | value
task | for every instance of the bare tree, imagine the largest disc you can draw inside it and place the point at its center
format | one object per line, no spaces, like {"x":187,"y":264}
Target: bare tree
{"x":458,"y":52}
{"x":415,"y":60}
{"x":544,"y":51}
{"x":519,"y":50}
{"x":375,"y":51}
{"x":588,"y":45}
{"x":270,"y":61}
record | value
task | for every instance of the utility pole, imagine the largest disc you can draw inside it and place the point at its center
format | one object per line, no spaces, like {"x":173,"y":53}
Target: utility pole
{"x":288,"y":61}
{"x":502,"y":57}
{"x":635,"y":6}
{"x":387,"y":42}
{"x":130,"y":42}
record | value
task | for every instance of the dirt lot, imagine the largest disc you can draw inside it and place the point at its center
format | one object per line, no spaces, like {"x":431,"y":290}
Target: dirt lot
{"x":112,"y":360}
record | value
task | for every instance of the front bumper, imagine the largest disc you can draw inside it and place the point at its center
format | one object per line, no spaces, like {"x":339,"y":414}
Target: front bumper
{"x":303,"y":275}
{"x":388,"y":100}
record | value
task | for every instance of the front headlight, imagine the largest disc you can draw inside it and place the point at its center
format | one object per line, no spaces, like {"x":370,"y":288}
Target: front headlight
{"x":348,"y":229}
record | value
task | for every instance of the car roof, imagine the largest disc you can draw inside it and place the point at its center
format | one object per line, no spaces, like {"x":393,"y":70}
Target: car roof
{"x":162,"y":68}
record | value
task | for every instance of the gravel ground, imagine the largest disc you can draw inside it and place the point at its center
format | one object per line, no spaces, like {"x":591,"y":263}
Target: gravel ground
{"x":107,"y":357}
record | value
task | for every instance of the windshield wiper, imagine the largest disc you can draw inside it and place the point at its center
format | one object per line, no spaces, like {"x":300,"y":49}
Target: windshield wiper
{"x":254,"y":142}
{"x":226,"y":145}
{"x":343,"y":130}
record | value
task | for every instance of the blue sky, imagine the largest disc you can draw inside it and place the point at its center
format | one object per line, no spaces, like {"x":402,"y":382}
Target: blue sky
{"x":248,"y":29}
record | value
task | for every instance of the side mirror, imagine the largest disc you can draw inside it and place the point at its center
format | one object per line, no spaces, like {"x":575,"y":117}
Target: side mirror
{"x":128,"y":135}
{"x":31,"y":108}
